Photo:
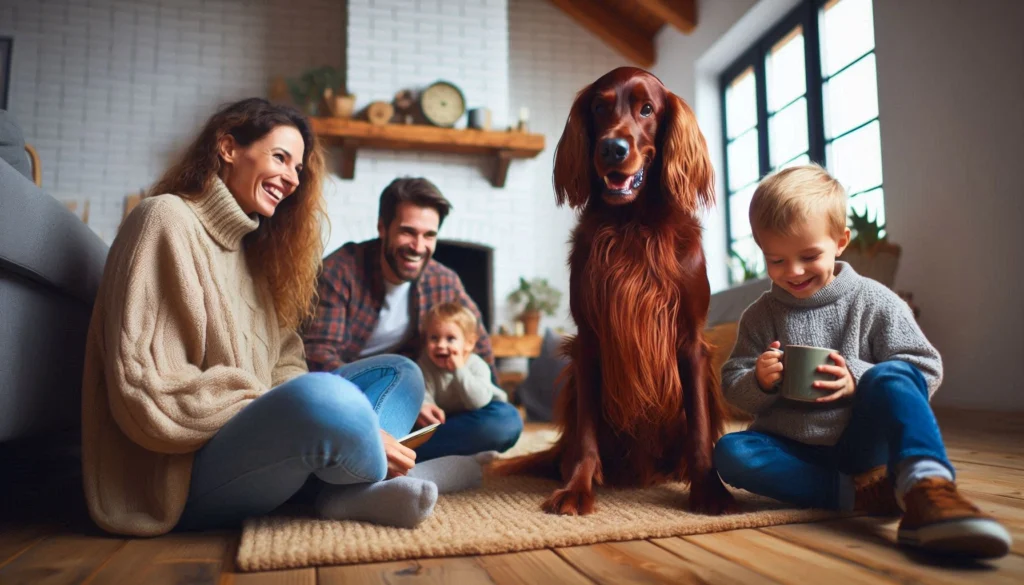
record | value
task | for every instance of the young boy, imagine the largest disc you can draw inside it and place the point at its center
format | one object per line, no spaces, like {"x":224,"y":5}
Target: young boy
{"x":456,"y":379}
{"x":870,"y":442}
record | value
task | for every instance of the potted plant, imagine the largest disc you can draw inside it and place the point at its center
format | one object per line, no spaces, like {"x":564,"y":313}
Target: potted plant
{"x":750,"y":269}
{"x":870,"y":253}
{"x":537,"y":297}
{"x":321,"y":85}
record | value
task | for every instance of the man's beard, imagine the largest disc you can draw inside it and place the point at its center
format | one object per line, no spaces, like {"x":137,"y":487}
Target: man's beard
{"x":391,"y":257}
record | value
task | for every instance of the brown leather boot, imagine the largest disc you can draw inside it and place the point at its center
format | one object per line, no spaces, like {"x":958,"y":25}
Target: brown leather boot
{"x":875,"y":493}
{"x":940,"y":519}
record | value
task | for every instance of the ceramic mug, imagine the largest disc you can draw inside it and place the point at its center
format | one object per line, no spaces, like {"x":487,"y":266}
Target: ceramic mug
{"x":480,"y":118}
{"x":800,"y":372}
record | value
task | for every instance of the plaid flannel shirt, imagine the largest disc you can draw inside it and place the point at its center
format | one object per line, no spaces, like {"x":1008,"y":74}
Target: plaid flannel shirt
{"x":351,"y":293}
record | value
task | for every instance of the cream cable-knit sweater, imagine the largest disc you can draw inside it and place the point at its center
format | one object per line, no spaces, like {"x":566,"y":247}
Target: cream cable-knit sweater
{"x":181,"y":339}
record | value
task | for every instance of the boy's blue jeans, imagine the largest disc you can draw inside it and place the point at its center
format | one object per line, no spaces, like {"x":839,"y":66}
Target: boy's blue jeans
{"x":320,"y":424}
{"x":891,"y":422}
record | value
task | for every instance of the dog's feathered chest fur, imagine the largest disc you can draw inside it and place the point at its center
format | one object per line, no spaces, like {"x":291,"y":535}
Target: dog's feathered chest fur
{"x":632,"y":297}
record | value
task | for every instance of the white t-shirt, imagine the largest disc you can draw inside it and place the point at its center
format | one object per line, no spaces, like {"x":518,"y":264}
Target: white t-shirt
{"x":394,"y":325}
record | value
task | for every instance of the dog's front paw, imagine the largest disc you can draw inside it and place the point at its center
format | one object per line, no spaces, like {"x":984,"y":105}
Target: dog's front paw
{"x":711,"y":498}
{"x":570,"y":502}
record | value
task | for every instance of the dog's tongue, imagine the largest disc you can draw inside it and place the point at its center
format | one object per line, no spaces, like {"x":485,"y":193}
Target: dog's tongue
{"x":618,"y":182}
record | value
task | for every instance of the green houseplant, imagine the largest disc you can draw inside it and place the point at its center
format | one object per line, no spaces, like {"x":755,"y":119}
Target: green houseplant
{"x":314,"y":86}
{"x":537,"y":296}
{"x":870,"y":252}
{"x":750,"y":269}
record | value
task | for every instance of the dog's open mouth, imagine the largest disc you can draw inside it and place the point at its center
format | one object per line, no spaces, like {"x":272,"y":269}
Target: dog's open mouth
{"x":621,"y":183}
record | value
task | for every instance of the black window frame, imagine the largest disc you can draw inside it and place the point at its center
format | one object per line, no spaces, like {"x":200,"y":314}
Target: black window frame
{"x":805,"y":15}
{"x":6,"y":61}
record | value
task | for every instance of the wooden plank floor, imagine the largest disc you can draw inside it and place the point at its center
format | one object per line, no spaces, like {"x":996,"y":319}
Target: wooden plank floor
{"x":987,"y":448}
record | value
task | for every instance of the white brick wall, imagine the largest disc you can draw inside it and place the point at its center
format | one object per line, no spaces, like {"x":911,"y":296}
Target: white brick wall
{"x":551,"y":59}
{"x":398,"y":44}
{"x":110,"y":91}
{"x":502,"y":56}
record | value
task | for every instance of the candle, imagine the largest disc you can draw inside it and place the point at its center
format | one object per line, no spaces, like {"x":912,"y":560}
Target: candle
{"x":524,"y":114}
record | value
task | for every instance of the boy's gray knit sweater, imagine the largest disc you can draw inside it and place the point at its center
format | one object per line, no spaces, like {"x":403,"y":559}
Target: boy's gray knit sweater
{"x":858,"y":317}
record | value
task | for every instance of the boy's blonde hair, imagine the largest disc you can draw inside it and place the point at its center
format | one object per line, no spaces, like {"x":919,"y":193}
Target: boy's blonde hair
{"x":788,"y":197}
{"x":453,"y":312}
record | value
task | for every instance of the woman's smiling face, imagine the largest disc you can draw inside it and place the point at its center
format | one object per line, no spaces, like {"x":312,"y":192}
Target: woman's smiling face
{"x":266,"y":172}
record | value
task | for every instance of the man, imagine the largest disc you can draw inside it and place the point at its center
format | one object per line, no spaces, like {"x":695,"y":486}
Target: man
{"x":373,"y":296}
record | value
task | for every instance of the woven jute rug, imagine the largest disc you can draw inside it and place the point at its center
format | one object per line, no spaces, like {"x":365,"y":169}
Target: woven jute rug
{"x":503,"y":515}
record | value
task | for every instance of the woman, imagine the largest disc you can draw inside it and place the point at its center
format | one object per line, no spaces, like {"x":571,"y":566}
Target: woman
{"x":198,"y":409}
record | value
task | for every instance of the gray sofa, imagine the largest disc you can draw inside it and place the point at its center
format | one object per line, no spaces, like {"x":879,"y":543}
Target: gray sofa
{"x":50,"y":268}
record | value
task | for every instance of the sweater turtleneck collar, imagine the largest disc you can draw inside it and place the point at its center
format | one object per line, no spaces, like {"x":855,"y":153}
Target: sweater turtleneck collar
{"x":222,"y":217}
{"x":846,"y":281}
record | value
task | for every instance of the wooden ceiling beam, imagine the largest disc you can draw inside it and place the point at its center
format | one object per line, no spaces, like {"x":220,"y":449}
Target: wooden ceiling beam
{"x":681,"y":14}
{"x":619,"y":35}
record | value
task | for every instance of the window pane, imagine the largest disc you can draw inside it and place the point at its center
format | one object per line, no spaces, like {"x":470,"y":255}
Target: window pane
{"x":787,"y":132}
{"x":739,"y":209}
{"x":851,"y":98}
{"x":746,"y":249}
{"x":741,"y":104}
{"x":872,"y":202}
{"x":743,"y":163}
{"x":856,"y":159}
{"x":847,"y":32}
{"x":784,"y":66}
{"x":803,"y":159}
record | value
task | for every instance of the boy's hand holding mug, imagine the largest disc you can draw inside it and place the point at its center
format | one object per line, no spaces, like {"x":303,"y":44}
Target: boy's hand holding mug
{"x":842,"y":386}
{"x":809,"y":376}
{"x":768,"y":369}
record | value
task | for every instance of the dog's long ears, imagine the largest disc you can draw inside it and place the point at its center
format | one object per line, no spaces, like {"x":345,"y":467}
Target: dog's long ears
{"x":572,"y":172}
{"x":686,"y":174}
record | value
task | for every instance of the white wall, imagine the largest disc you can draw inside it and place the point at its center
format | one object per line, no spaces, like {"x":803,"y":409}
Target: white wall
{"x":951,"y":89}
{"x":679,"y":69}
{"x":399,"y":44}
{"x":551,"y":59}
{"x":950,"y":84}
{"x":109,"y":91}
{"x":503,"y":56}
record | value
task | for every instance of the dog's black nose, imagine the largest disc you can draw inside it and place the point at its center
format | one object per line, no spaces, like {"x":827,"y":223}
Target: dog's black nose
{"x":614,"y":150}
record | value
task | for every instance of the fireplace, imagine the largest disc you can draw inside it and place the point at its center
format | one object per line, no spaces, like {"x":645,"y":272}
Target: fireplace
{"x":474,"y":265}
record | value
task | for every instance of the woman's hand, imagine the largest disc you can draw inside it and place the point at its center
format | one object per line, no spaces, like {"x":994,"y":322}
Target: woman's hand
{"x":842,"y":386}
{"x":430,"y":414}
{"x":400,"y":458}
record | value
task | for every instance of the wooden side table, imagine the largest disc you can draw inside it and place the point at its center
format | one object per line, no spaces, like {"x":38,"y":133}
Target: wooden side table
{"x":514,"y":346}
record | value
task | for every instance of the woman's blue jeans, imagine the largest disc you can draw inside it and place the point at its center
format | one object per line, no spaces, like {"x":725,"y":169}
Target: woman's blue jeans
{"x":324,"y":424}
{"x":891,"y":422}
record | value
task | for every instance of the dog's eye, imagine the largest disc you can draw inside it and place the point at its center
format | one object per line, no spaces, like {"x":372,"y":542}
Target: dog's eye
{"x":647,"y":110}
{"x":600,"y":108}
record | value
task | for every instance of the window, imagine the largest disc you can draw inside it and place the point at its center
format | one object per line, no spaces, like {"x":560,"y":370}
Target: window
{"x":5,"y":70}
{"x":804,"y":92}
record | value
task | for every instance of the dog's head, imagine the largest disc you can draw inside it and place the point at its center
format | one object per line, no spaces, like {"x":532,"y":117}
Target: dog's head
{"x":628,"y":139}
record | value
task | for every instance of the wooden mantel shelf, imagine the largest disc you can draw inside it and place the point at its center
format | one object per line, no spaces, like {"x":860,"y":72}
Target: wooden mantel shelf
{"x":352,"y":135}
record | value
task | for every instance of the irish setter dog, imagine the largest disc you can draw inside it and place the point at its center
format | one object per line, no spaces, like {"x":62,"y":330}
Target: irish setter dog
{"x":641,"y":404}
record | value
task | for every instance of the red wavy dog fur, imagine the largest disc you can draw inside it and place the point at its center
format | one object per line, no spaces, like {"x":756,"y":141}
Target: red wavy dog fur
{"x":640,"y":404}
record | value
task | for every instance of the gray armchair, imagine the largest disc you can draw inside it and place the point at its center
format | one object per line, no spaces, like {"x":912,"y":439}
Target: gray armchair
{"x":50,"y":267}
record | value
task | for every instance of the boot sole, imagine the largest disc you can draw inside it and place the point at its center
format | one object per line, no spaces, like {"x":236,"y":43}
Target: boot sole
{"x":978,"y":538}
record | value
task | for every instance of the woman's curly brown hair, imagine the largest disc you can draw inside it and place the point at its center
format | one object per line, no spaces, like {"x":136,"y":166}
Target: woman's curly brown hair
{"x":287,"y":248}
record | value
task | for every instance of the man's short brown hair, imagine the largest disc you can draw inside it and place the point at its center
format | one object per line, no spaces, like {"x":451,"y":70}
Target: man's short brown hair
{"x":418,"y":191}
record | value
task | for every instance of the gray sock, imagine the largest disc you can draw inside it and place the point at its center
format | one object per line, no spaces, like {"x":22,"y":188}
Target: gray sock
{"x":403,"y":502}
{"x":455,"y":472}
{"x":913,"y":470}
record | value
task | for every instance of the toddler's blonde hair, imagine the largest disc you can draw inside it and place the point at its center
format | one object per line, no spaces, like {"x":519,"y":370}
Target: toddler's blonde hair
{"x":453,"y":312}
{"x":786,"y":198}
